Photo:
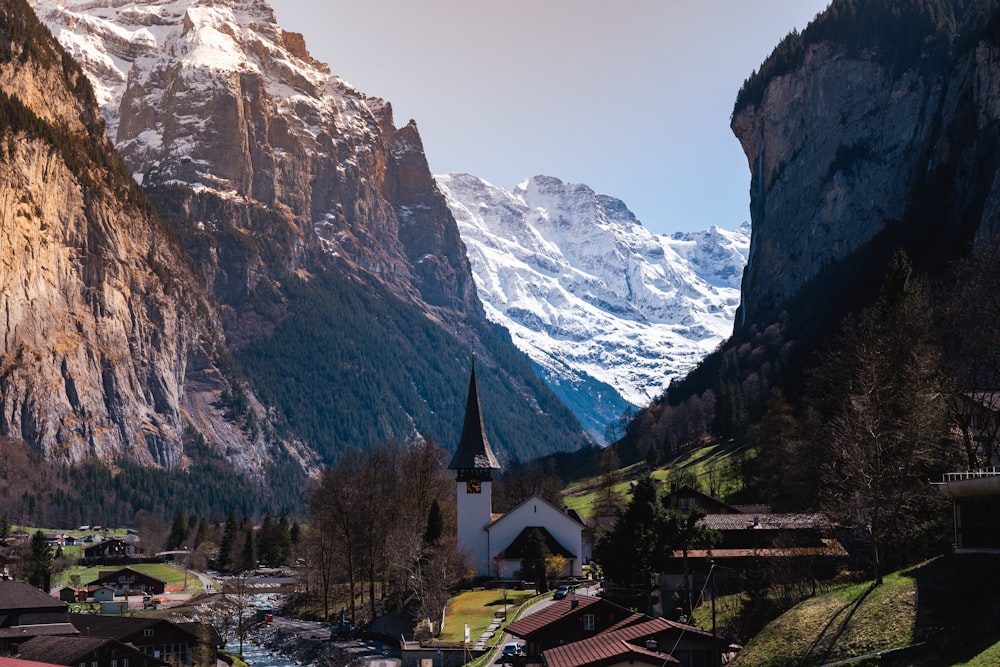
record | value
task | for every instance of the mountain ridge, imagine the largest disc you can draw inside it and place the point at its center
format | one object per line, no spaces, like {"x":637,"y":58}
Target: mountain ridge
{"x":602,"y":306}
{"x":296,"y":197}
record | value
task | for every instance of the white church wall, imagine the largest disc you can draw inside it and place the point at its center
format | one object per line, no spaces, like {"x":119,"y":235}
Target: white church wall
{"x":537,"y":512}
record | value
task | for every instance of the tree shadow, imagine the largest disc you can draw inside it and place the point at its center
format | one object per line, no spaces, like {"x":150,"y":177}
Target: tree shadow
{"x":958,"y":610}
{"x":827,"y":639}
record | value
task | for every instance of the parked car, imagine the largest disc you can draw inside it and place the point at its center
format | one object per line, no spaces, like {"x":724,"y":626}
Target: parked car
{"x":560,"y":593}
{"x":510,"y":651}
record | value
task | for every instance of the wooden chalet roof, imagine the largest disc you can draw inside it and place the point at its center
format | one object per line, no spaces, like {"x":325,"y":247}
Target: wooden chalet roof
{"x":112,"y":575}
{"x":559,"y":610}
{"x":71,"y":651}
{"x":604,"y":649}
{"x":622,"y":641}
{"x":474,"y":452}
{"x":118,"y":627}
{"x":20,"y":596}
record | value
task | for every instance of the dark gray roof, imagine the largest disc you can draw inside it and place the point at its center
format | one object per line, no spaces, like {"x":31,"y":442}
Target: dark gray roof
{"x":22,"y":596}
{"x":474,"y":450}
{"x":61,"y":650}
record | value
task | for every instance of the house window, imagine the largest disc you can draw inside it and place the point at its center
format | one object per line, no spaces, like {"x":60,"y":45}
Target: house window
{"x":588,"y":621}
{"x":148,"y":632}
{"x":114,"y":663}
{"x":124,"y":662}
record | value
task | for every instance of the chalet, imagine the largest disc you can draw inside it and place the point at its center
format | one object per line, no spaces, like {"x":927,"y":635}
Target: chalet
{"x":128,"y":580}
{"x":113,"y":548}
{"x":90,"y":651}
{"x":177,"y":643}
{"x":641,"y":639}
{"x":565,"y":621}
{"x":26,"y":612}
{"x":975,"y":497}
{"x":583,"y":631}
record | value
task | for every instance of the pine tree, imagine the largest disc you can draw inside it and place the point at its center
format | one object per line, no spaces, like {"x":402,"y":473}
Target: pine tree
{"x":40,"y":566}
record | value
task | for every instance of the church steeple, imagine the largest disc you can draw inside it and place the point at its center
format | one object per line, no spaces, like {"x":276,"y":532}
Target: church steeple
{"x":474,"y":458}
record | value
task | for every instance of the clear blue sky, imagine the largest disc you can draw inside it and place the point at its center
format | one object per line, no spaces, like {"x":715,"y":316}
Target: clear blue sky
{"x":631,"y":97}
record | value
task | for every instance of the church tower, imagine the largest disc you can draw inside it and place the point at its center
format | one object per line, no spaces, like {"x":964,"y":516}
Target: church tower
{"x":474,"y":464}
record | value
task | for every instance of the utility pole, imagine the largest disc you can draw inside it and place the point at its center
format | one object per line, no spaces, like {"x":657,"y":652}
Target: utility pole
{"x":717,"y":655}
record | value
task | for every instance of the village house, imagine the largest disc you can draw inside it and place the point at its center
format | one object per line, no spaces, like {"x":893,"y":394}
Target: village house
{"x":88,"y":651}
{"x":112,"y":548}
{"x":565,"y":621}
{"x":130,"y":581}
{"x":584,"y":631}
{"x":187,"y":644}
{"x":26,"y":612}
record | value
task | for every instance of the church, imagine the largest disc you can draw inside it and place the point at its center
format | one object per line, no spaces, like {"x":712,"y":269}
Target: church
{"x":495,"y":541}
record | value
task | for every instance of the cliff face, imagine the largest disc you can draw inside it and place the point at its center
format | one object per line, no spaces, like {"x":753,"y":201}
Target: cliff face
{"x":268,"y":164}
{"x":107,"y":339}
{"x":849,"y":150}
{"x":314,"y":220}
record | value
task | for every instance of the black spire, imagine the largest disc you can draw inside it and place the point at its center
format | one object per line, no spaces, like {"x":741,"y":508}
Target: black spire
{"x":473,"y":451}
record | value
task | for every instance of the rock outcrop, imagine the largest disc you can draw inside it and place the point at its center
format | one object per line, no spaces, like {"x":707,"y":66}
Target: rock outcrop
{"x":108,"y":340}
{"x":858,"y":146}
{"x":310,"y":216}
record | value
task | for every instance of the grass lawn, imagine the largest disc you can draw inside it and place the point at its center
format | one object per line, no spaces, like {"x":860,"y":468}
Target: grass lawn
{"x":168,"y":573}
{"x":477,"y":609}
{"x":703,"y":462}
{"x":944,"y":609}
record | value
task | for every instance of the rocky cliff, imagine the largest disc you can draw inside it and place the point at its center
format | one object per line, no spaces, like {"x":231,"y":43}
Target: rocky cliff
{"x":314,"y":220}
{"x":108,"y":340}
{"x":268,"y":162}
{"x":867,"y":132}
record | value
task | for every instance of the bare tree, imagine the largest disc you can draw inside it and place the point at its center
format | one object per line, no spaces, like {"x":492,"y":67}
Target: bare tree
{"x":887,"y":430}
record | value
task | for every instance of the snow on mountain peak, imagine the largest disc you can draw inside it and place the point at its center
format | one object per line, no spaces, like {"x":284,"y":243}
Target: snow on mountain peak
{"x":125,"y":45}
{"x":588,"y":292}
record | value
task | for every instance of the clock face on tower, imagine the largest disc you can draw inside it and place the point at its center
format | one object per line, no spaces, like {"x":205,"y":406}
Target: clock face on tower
{"x":473,"y":486}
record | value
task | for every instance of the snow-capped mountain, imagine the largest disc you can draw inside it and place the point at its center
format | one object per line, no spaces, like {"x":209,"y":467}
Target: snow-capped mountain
{"x":314,"y":221}
{"x":609,"y":311}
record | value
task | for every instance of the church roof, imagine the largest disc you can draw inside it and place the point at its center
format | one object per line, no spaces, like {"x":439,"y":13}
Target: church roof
{"x":516,"y":548}
{"x":473,"y":448}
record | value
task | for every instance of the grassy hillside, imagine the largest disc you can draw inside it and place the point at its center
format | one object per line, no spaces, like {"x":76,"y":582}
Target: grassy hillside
{"x":945,"y":611}
{"x":715,"y":467}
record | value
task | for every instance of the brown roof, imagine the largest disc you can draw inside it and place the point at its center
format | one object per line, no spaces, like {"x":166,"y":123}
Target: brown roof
{"x":18,"y":595}
{"x":38,"y":630}
{"x":473,"y":452}
{"x":107,"y":575}
{"x":601,"y":650}
{"x":831,"y":548}
{"x":616,"y":643}
{"x":61,"y":650}
{"x":558,"y":610}
{"x":119,"y":627}
{"x":72,"y":650}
